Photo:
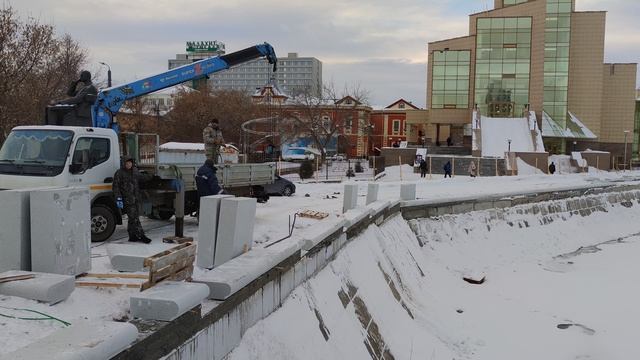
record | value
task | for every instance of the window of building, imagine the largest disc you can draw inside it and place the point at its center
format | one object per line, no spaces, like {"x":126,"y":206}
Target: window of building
{"x":556,"y":59}
{"x":503,"y":58}
{"x":450,"y":79}
{"x":348,"y":124}
{"x":513,"y":2}
{"x":396,"y":127}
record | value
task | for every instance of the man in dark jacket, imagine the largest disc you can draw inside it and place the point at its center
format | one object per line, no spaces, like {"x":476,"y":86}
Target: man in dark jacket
{"x":423,"y":168}
{"x":552,"y":168}
{"x":126,"y":189}
{"x":206,"y":180}
{"x":82,"y":94}
{"x":447,"y":169}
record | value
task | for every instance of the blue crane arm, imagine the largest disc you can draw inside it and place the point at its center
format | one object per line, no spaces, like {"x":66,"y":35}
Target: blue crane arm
{"x":109,"y":101}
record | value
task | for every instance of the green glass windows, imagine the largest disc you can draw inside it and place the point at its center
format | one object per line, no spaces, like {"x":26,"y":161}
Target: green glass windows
{"x":450,"y":79}
{"x":503,"y":59}
{"x":513,"y":2}
{"x":557,"y":37}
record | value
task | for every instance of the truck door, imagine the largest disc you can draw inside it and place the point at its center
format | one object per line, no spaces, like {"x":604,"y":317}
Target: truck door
{"x":91,"y":163}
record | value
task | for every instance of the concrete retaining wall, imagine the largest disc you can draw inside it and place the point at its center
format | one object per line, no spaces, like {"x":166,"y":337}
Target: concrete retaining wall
{"x":217,"y":332}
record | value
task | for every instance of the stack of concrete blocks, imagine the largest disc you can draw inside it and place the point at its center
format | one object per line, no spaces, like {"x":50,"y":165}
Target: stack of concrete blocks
{"x":89,"y":340}
{"x":372,"y":192}
{"x":225,"y":230}
{"x":49,"y":288}
{"x":15,"y":230}
{"x":168,"y":300}
{"x":408,"y":191}
{"x":350,"y":200}
{"x":61,"y":236}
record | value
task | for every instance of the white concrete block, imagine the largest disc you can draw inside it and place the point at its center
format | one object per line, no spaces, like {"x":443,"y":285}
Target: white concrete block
{"x":234,"y":331}
{"x":228,"y":278}
{"x":235,"y":230}
{"x":312,"y":265}
{"x":15,"y":230}
{"x":49,"y":288}
{"x":350,"y":200}
{"x":167,"y":300}
{"x":408,"y":191}
{"x":61,"y":237}
{"x":372,"y":192}
{"x":130,"y":257}
{"x":300,"y":272}
{"x":268,"y":298}
{"x":208,"y":229}
{"x":378,"y":206}
{"x":250,"y":311}
{"x":286,"y":285}
{"x":355,"y":215}
{"x":319,"y":231}
{"x":342,"y":241}
{"x":80,"y":341}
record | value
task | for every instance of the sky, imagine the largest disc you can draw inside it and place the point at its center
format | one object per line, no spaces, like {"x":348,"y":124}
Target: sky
{"x":379,"y":46}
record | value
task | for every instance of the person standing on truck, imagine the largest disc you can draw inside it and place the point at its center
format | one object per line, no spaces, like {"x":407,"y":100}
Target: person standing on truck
{"x":212,"y":138}
{"x":82,"y":97}
{"x":207,"y":181}
{"x":126,"y":190}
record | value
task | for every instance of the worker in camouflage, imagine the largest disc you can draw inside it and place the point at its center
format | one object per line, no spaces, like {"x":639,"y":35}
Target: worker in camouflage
{"x":212,"y":137}
{"x":126,"y":190}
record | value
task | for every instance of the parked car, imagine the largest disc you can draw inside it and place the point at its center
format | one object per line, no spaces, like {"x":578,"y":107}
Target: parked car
{"x":299,"y":154}
{"x":339,"y":157}
{"x":280,"y":186}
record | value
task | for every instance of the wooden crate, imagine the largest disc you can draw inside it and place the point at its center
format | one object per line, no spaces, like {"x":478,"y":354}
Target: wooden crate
{"x":175,"y":263}
{"x":319,"y":215}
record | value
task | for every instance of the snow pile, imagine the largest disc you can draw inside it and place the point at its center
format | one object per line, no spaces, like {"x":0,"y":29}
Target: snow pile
{"x":552,"y":273}
{"x":563,"y":164}
{"x":526,"y":169}
{"x":496,"y":133}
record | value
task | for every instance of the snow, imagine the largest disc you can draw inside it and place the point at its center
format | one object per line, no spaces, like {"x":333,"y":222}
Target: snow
{"x":497,"y":131}
{"x":542,"y":299}
{"x":563,"y":164}
{"x":272,"y":223}
{"x":526,"y":169}
{"x":182,"y":146}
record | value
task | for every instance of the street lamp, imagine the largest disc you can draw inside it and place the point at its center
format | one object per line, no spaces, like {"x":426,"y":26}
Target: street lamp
{"x":509,"y":149}
{"x":626,"y":132}
{"x":108,"y":73}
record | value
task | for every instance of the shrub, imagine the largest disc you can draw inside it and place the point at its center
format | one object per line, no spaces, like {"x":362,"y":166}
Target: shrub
{"x":306,"y":170}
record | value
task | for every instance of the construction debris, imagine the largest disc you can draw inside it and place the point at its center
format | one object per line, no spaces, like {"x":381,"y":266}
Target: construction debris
{"x":319,"y":215}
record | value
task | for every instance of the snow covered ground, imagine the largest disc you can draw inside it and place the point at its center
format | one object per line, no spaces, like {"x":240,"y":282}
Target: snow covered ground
{"x":272,"y":220}
{"x":559,"y":286}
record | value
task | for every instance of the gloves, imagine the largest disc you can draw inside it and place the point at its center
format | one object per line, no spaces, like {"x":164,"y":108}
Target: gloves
{"x":119,"y":203}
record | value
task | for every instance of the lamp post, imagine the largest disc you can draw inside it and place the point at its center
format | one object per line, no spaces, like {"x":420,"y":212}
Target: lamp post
{"x":509,"y":148}
{"x":626,"y":132}
{"x":108,"y":73}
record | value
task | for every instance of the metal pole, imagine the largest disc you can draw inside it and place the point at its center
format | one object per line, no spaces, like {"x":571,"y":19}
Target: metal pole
{"x":625,"y":149}
{"x":179,"y":208}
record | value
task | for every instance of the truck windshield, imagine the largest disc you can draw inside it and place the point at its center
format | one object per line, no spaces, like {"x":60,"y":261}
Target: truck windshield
{"x":35,"y":152}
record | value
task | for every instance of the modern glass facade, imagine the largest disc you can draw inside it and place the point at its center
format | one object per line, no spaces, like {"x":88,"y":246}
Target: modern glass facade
{"x":636,"y":133}
{"x":503,"y":62}
{"x":557,"y":39}
{"x":450,"y":79}
{"x":513,"y":2}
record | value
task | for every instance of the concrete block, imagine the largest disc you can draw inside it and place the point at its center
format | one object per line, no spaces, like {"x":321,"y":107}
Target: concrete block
{"x":483,"y":205}
{"x":250,"y":311}
{"x":130,"y":257}
{"x":408,"y":191}
{"x":15,"y":230}
{"x":372,"y":192}
{"x":235,"y":230}
{"x":167,"y":300}
{"x":342,"y":241}
{"x":49,"y":288}
{"x":316,"y":233}
{"x":208,"y":229}
{"x":300,"y":272}
{"x":81,"y":340}
{"x":61,"y":238}
{"x":228,"y":278}
{"x":286,"y":285}
{"x":354,"y":216}
{"x":462,"y":208}
{"x":233,"y":335}
{"x":312,"y":264}
{"x":269,"y":300}
{"x":350,"y":200}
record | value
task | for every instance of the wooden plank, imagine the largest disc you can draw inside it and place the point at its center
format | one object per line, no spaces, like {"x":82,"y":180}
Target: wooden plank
{"x":173,"y":257}
{"x":106,"y":284}
{"x":6,"y":279}
{"x":116,"y":276}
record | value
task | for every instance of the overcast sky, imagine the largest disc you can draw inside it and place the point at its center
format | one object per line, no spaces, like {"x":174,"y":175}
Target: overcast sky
{"x":380,"y":45}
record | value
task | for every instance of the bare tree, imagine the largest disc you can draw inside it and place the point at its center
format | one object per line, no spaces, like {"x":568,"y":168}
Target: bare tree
{"x":35,"y":68}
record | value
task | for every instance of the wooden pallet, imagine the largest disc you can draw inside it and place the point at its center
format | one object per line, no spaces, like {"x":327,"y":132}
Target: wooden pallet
{"x":98,"y":280}
{"x":5,"y":279}
{"x":318,"y":215}
{"x":175,"y":263}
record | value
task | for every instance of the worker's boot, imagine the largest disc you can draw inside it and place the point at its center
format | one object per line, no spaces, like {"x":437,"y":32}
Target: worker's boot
{"x":145,"y":239}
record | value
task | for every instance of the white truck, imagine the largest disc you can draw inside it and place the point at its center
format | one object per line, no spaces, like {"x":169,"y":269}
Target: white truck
{"x":61,"y":156}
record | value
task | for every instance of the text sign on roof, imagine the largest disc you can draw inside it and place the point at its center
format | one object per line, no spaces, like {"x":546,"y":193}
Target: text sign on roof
{"x":204,"y":46}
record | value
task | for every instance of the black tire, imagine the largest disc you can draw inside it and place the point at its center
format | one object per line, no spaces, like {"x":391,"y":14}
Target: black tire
{"x":287,"y":191}
{"x":103,"y":222}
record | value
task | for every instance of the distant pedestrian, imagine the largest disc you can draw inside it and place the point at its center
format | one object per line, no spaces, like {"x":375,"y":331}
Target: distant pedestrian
{"x":447,"y":169}
{"x":472,"y":169}
{"x":552,"y":168}
{"x":449,"y":141}
{"x":423,"y":168}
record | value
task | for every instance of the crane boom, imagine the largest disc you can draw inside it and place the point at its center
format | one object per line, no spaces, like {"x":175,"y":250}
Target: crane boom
{"x":110,"y":100}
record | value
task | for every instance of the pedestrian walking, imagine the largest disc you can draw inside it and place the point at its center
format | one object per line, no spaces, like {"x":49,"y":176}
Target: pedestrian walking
{"x":126,"y":189}
{"x":552,"y":168}
{"x":423,"y":168}
{"x":472,"y":169}
{"x":447,"y":169}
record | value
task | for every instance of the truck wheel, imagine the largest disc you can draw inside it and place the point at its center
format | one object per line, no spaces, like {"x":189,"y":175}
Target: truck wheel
{"x":103,"y":223}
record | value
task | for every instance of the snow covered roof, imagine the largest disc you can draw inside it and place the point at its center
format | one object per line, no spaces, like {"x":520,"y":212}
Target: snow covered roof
{"x":575,"y":128}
